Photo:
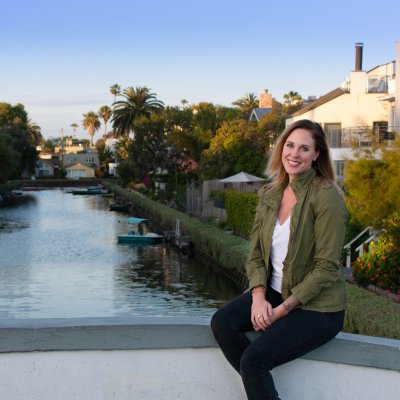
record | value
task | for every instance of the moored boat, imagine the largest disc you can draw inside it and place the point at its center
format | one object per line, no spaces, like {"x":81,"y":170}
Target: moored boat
{"x":118,"y":207}
{"x":91,"y":190}
{"x":139,"y":233}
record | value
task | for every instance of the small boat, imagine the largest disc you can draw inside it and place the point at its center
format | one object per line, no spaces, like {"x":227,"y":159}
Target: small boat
{"x":91,"y":190}
{"x":118,"y":207}
{"x":139,"y":234}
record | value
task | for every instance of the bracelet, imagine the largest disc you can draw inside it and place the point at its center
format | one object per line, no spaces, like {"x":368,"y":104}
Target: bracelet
{"x":257,"y":289}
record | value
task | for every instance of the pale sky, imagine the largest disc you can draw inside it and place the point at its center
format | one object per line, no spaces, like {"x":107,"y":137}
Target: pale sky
{"x":60,"y":57}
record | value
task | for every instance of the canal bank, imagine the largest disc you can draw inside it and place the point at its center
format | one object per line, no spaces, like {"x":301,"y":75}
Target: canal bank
{"x":225,"y":252}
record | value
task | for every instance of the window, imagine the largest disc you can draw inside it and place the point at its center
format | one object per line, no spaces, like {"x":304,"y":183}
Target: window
{"x":333,"y":133}
{"x":90,"y":160}
{"x":377,"y":84}
{"x":339,"y":170}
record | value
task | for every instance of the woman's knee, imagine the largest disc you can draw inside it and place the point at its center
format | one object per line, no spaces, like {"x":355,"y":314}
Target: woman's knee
{"x":255,"y":360}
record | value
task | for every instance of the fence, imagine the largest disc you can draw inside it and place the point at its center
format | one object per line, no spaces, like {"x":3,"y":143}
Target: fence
{"x":200,"y":204}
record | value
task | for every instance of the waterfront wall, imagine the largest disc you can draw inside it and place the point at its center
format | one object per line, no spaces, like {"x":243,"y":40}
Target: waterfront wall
{"x":175,"y":358}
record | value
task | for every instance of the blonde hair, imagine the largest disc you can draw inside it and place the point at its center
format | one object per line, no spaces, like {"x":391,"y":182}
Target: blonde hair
{"x":323,"y":165}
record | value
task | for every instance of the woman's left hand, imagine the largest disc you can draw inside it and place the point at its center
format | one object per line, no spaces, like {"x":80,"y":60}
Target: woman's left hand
{"x":262,"y":323}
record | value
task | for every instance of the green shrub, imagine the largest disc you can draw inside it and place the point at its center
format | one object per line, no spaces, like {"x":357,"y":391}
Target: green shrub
{"x":240,"y":211}
{"x":380,"y":266}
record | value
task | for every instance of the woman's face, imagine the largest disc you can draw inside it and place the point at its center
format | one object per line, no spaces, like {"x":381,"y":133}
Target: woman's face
{"x":298,"y":152}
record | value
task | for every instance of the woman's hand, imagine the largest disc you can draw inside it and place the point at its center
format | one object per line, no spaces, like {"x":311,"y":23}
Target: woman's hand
{"x":261,"y":311}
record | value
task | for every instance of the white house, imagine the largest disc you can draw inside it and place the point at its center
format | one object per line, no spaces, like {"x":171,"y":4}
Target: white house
{"x":361,"y":111}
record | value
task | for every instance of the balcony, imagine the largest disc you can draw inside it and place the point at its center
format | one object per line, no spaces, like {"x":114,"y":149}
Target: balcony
{"x":360,"y":136}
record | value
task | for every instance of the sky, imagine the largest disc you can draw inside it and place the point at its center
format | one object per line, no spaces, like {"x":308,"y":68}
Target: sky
{"x":59,"y":58}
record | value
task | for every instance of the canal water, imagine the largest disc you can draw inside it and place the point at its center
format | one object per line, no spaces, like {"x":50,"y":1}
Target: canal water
{"x":59,"y":258}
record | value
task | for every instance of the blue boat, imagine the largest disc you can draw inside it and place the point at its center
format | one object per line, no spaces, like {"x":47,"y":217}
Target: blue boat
{"x":91,"y":190}
{"x":139,"y":233}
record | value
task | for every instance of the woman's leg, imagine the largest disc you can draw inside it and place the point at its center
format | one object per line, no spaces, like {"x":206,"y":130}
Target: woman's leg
{"x":229,"y":324}
{"x":287,"y":339}
{"x":231,"y":321}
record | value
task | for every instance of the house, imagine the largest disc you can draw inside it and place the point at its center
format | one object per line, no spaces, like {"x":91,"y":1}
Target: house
{"x":264,"y":107}
{"x":360,"y":112}
{"x":85,"y":157}
{"x":44,"y":168}
{"x":48,"y":165}
{"x":80,"y":170}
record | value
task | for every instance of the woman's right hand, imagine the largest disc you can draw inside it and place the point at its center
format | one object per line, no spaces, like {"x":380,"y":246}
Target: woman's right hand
{"x":261,"y":312}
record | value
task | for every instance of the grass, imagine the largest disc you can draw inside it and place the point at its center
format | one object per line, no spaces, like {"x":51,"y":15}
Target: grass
{"x":370,"y":314}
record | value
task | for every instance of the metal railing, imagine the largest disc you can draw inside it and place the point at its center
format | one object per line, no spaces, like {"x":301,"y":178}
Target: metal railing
{"x":361,"y":247}
{"x":360,"y":136}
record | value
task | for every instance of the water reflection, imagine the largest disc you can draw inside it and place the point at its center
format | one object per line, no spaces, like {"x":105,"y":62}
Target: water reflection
{"x":59,"y":258}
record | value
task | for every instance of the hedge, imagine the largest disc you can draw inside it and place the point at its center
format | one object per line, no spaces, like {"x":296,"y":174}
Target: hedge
{"x":240,"y":210}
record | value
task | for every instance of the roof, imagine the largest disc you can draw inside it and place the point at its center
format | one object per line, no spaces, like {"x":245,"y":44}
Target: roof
{"x":321,"y":100}
{"x":136,"y":221}
{"x":90,"y":166}
{"x":258,"y":113}
{"x":242,"y":177}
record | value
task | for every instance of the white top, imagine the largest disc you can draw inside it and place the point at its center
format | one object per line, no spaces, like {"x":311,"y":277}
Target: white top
{"x":280,"y":241}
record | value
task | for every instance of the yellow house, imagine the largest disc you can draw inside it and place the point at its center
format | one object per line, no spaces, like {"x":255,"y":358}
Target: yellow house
{"x":361,"y":111}
{"x":80,"y":170}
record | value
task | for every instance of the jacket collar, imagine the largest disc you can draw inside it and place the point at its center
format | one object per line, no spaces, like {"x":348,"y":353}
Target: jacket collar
{"x":303,"y":180}
{"x":300,"y":183}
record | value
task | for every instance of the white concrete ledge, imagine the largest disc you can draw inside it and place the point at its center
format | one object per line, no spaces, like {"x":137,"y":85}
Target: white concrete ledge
{"x":175,"y":358}
{"x":172,"y":333}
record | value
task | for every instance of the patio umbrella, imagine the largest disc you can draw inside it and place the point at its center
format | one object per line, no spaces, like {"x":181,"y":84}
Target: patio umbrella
{"x":242,"y":177}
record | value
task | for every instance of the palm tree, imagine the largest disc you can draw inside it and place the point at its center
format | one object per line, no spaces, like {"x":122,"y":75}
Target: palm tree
{"x":105,"y":113}
{"x":35,"y":132}
{"x":137,"y":102}
{"x":91,"y":123}
{"x":74,"y":126}
{"x":115,"y":90}
{"x":292,"y":98}
{"x":247,"y":103}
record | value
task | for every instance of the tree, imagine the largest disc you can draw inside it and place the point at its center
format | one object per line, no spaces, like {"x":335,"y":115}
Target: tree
{"x":74,"y":126}
{"x":9,"y":158}
{"x":115,"y":90}
{"x":91,"y":123}
{"x":246,"y":103}
{"x":272,"y":125}
{"x":137,"y":102}
{"x":237,"y":146}
{"x":49,"y":145}
{"x":371,"y":186}
{"x":20,"y":136}
{"x":105,"y":113}
{"x":292,"y":102}
{"x":106,"y":155}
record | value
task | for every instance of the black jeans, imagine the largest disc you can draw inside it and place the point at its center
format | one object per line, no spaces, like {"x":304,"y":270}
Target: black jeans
{"x":287,"y":339}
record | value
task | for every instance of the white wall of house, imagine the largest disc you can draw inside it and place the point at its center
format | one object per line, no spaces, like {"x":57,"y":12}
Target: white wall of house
{"x":356,"y":108}
{"x":44,"y":168}
{"x":80,"y":170}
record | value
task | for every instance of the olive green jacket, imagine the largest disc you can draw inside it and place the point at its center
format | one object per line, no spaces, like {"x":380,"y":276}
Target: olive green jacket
{"x":312,"y":271}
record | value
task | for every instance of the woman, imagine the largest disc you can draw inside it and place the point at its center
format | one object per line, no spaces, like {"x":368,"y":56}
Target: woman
{"x":296,"y":296}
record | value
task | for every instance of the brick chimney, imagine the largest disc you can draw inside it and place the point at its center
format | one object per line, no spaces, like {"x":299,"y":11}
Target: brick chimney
{"x":265,"y":100}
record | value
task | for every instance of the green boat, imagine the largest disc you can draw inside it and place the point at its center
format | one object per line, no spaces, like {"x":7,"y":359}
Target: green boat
{"x":137,"y":236}
{"x":91,"y":190}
